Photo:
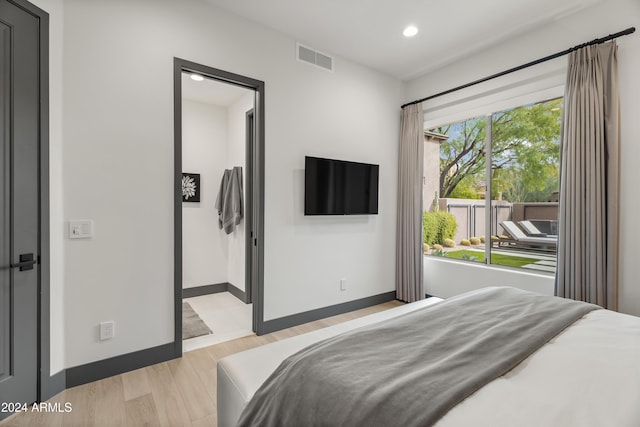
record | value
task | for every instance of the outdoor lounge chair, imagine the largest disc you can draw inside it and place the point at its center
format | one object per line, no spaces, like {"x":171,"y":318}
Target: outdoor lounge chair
{"x":520,"y":239}
{"x":531,"y":229}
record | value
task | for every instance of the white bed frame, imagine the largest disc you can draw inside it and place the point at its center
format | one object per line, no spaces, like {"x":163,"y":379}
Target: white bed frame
{"x":589,"y":375}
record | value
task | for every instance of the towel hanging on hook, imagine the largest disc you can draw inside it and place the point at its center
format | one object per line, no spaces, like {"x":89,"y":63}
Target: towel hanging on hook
{"x":230,"y":200}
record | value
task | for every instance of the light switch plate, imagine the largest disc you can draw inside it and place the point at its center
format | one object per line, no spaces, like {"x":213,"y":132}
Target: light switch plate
{"x":107,"y":330}
{"x":80,"y":229}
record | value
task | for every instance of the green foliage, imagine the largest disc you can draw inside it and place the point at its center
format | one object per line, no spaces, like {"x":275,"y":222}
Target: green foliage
{"x":464,"y":190}
{"x":525,"y":156}
{"x":438,"y":226}
{"x":516,"y":189}
{"x":438,"y":252}
{"x":499,"y":259}
{"x":448,"y":226}
{"x":430,"y":228}
{"x":462,"y":155}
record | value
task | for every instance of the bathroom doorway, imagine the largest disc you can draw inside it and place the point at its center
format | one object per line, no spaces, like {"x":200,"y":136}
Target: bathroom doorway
{"x":219,"y":169}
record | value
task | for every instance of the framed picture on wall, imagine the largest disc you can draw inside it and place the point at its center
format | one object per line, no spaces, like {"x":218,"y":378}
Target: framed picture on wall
{"x":190,"y":187}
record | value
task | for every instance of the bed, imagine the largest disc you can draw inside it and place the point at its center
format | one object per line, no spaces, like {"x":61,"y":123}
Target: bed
{"x":586,"y":375}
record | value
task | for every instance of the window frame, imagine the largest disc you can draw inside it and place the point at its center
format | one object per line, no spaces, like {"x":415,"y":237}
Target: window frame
{"x":536,"y":97}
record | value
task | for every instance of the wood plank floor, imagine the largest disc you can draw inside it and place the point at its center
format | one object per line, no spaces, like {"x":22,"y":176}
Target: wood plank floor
{"x":177,"y":393}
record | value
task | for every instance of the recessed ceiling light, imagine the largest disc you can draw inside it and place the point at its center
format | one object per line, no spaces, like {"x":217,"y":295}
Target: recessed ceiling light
{"x":410,"y":31}
{"x":196,"y":77}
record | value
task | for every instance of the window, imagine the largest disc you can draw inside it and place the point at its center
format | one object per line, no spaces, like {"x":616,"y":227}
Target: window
{"x":491,"y":187}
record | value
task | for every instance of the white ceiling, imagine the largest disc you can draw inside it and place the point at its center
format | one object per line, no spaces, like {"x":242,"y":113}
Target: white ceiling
{"x":370,"y":31}
{"x":211,"y":91}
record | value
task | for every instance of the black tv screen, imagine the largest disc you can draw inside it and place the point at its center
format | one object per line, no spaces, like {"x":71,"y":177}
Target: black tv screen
{"x":337,"y":187}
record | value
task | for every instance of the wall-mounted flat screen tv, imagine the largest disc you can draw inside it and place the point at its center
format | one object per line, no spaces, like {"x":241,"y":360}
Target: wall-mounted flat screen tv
{"x":337,"y":187}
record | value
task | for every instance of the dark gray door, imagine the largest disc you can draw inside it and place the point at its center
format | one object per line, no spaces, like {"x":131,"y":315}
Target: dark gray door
{"x":19,"y":119}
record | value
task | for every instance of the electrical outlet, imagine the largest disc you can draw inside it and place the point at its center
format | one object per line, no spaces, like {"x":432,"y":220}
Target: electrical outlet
{"x":107,"y":330}
{"x":343,"y":284}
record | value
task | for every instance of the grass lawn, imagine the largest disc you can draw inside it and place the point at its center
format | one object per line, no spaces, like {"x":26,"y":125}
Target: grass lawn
{"x":511,"y":261}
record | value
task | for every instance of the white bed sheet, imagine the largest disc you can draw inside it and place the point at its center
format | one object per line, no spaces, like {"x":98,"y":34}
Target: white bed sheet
{"x":589,"y":375}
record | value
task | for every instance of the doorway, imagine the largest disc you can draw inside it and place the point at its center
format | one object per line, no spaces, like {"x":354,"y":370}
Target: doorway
{"x":239,"y":243}
{"x":24,"y":214}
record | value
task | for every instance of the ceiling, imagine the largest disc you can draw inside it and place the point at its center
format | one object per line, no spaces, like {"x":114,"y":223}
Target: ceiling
{"x":211,"y":91}
{"x":370,"y":31}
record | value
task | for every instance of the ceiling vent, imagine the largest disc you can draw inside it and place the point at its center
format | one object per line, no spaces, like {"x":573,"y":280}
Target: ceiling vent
{"x":310,"y":56}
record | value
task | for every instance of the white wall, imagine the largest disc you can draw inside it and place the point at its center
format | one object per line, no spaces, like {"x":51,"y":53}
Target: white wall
{"x":204,"y":151}
{"x":213,"y":140}
{"x":118,"y":166}
{"x":605,"y":18}
{"x":236,"y":156}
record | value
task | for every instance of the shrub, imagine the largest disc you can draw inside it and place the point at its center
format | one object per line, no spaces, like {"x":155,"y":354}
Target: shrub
{"x":430,"y":227}
{"x":475,"y":241}
{"x":438,"y":252}
{"x":465,"y":242}
{"x":448,"y":226}
{"x":494,"y":238}
{"x":438,"y":226}
{"x":448,"y":243}
{"x":482,"y":239}
{"x":425,"y":248}
{"x":469,"y":257}
{"x":437,"y":247}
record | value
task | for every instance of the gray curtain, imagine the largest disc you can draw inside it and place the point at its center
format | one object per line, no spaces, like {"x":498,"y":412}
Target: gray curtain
{"x":409,"y":266}
{"x":589,"y":179}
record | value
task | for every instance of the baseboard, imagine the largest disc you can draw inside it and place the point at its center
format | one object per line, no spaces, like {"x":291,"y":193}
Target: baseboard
{"x":119,"y":364}
{"x":214,"y":289}
{"x":241,"y":295}
{"x":204,"y":290}
{"x":321,"y":313}
{"x":94,"y":371}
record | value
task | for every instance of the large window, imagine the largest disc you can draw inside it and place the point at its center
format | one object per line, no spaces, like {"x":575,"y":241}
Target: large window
{"x":491,"y":188}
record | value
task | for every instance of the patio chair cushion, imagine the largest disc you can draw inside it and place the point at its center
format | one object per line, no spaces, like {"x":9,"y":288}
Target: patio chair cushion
{"x":531,"y":229}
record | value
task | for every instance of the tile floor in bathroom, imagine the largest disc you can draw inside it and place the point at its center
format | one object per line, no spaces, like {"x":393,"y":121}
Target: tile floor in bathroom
{"x":226,"y":316}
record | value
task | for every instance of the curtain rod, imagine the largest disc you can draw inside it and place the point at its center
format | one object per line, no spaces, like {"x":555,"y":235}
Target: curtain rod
{"x":628,"y":31}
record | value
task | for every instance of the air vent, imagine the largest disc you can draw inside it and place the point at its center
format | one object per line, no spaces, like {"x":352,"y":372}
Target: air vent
{"x":310,"y":56}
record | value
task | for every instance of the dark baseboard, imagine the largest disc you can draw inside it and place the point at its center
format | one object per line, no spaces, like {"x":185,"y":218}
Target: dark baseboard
{"x":214,"y":289}
{"x":321,"y":313}
{"x":204,"y":290}
{"x":241,"y":295}
{"x":119,"y":364}
{"x":94,"y":371}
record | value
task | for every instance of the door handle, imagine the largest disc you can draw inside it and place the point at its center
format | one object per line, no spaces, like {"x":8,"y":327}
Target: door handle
{"x":26,"y":262}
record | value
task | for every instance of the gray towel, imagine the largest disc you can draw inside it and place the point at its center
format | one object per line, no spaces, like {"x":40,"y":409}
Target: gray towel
{"x":221,"y":192}
{"x":230,"y":200}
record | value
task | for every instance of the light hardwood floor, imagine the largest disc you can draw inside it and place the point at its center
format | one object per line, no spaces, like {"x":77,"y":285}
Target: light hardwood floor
{"x":177,"y":393}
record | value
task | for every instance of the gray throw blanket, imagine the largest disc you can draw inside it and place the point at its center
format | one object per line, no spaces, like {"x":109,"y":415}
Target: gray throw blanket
{"x":412,"y":369}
